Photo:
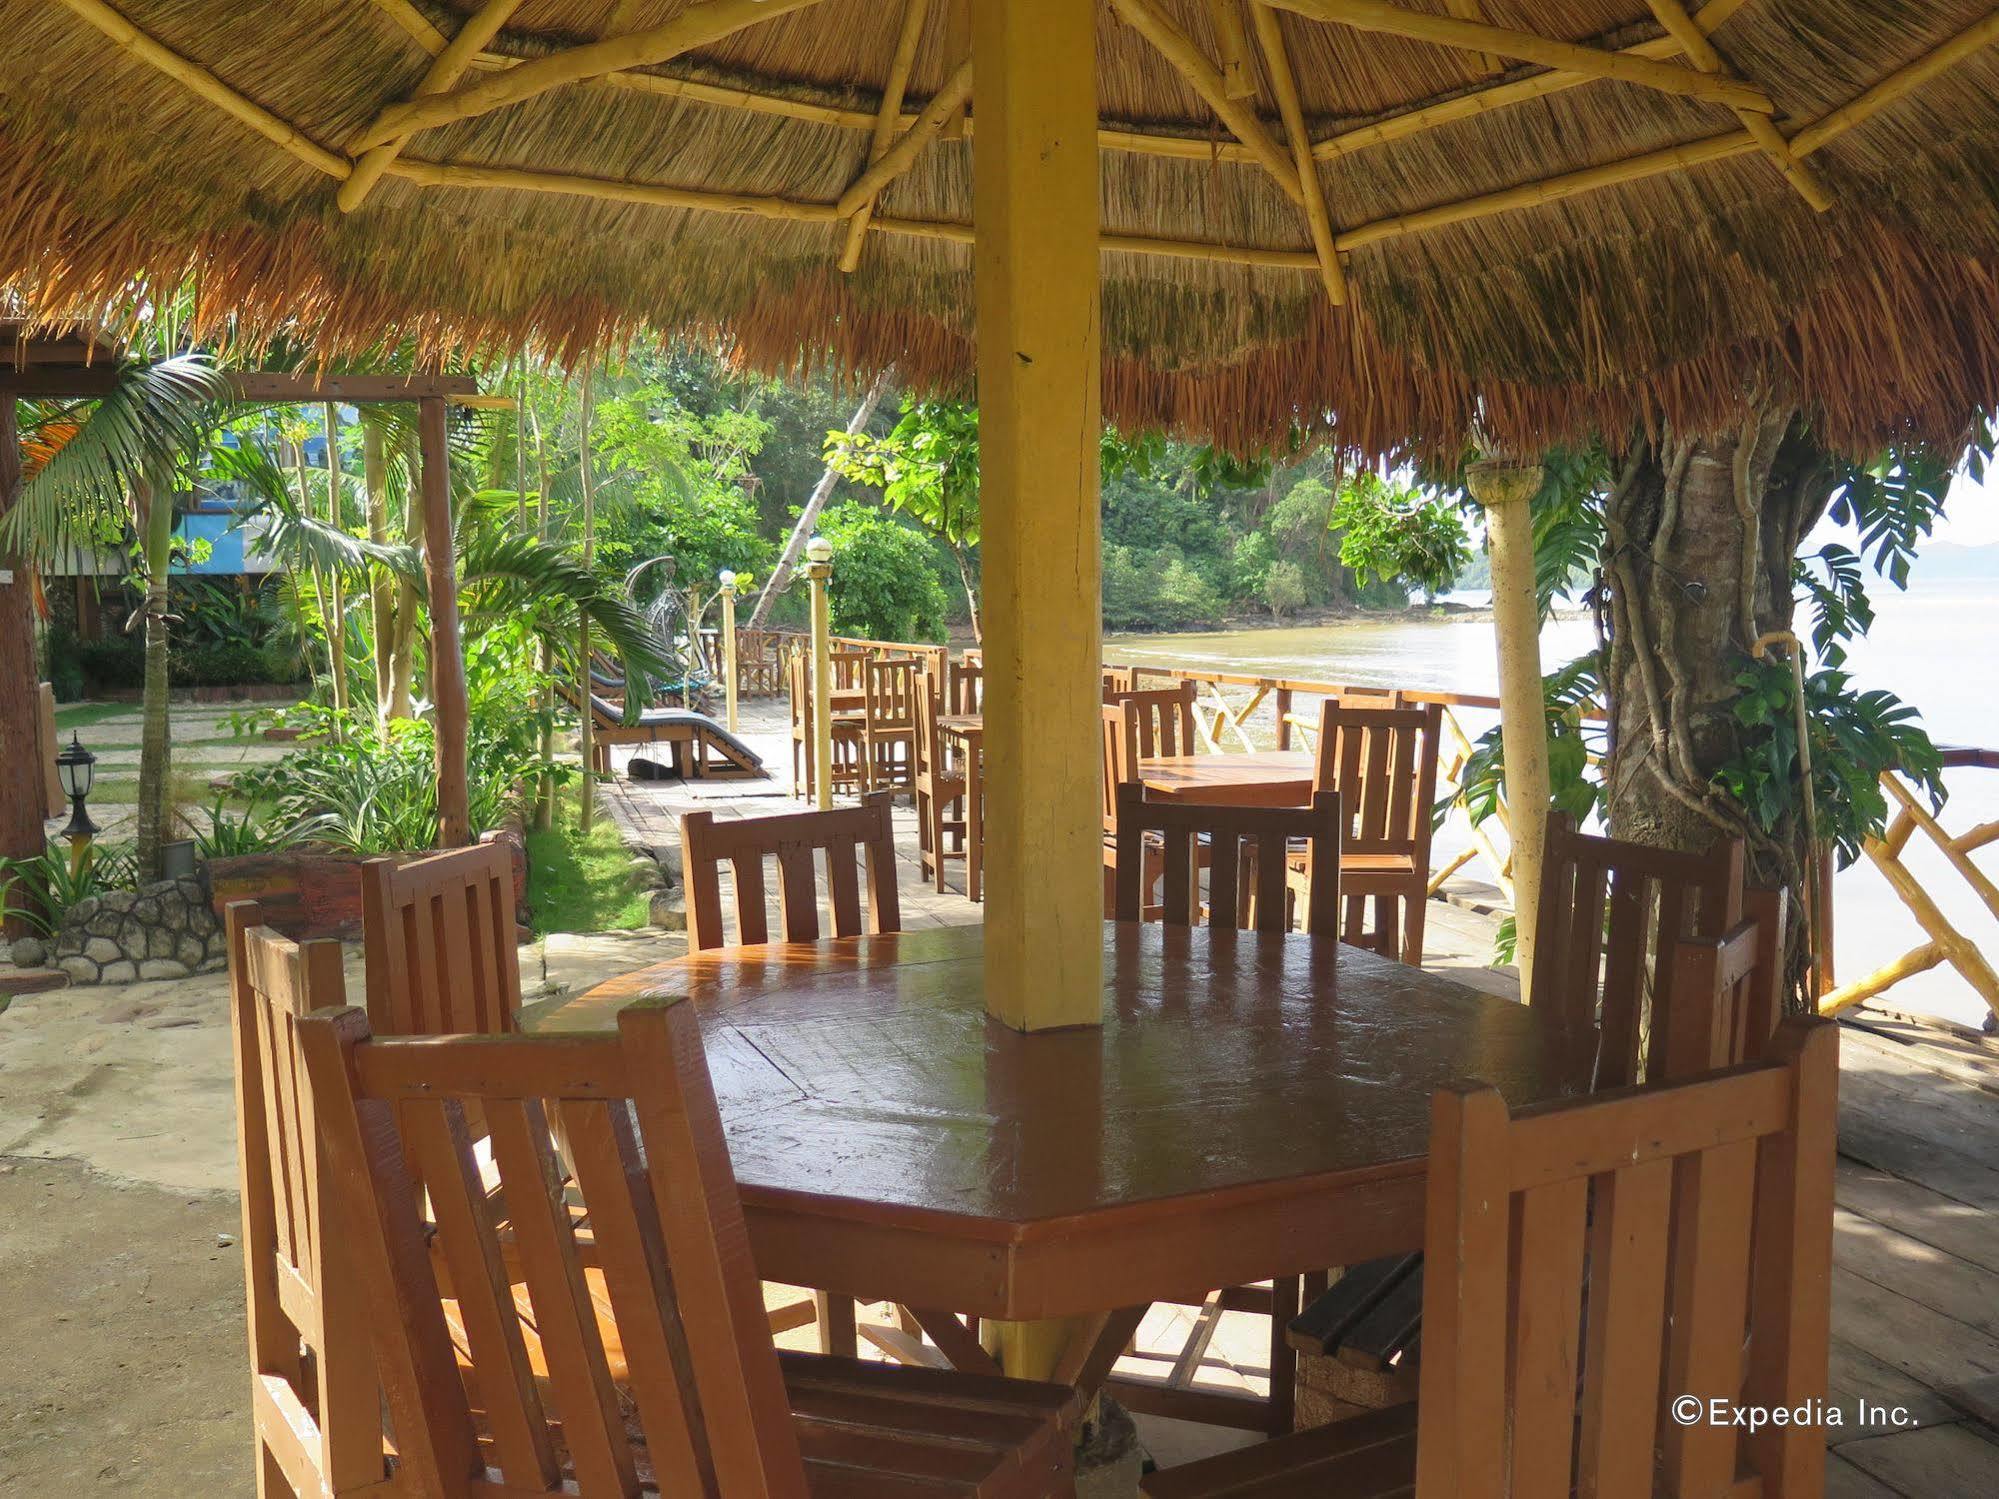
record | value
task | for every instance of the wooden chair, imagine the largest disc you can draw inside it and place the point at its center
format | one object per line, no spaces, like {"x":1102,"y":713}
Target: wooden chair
{"x":890,"y":689}
{"x":1697,"y":1002}
{"x":846,"y":735}
{"x":791,"y":839}
{"x":1383,"y":764}
{"x":1612,"y":913}
{"x":438,"y":937}
{"x":705,"y":1405}
{"x":1589,"y":1263}
{"x":965,"y":685}
{"x":1138,"y":726}
{"x":1118,"y":680}
{"x":1244,"y":849}
{"x":944,"y":820}
{"x":313,"y":1397}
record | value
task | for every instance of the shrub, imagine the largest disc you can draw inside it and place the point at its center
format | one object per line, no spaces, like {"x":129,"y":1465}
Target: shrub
{"x":884,"y":576}
{"x":1284,"y":588}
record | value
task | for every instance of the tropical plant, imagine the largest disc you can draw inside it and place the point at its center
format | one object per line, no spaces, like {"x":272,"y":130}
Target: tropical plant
{"x":39,"y":889}
{"x":883,"y":586}
{"x":1392,"y":531}
{"x":222,"y":834}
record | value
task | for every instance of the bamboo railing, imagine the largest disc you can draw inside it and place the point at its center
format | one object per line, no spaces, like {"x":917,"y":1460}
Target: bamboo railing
{"x":1944,"y":942}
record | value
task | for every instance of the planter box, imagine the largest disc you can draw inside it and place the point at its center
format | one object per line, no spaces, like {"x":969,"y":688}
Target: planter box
{"x":307,"y":895}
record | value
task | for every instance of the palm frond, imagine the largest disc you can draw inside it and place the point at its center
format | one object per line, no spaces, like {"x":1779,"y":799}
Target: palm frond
{"x":139,"y":436}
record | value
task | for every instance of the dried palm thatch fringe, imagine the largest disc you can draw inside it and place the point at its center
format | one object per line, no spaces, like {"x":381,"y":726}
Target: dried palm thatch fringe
{"x":1635,"y":299}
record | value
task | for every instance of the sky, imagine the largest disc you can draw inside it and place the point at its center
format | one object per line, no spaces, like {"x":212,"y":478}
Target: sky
{"x":1971,"y":513}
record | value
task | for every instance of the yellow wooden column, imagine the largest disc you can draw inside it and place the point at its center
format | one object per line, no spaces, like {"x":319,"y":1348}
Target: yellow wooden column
{"x":819,"y":575}
{"x":1035,"y":211}
{"x":729,"y":647}
{"x":1505,"y":490}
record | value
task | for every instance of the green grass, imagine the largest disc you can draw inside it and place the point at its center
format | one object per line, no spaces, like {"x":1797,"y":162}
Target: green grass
{"x":582,"y":884}
{"x":83,"y":715}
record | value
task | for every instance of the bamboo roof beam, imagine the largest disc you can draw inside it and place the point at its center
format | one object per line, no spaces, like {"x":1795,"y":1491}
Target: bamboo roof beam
{"x":957,"y":49}
{"x":1187,"y":59}
{"x":1471,"y":10}
{"x":1704,"y":55}
{"x":1898,"y":84}
{"x":1473,"y":36}
{"x":1467,"y":106}
{"x":698,"y":26}
{"x":130,"y":40}
{"x":1277,"y":63}
{"x":1232,"y":42}
{"x":445,"y":70}
{"x":887,"y":119}
{"x":416,"y":23}
{"x":902,"y":155}
{"x":612,"y":190}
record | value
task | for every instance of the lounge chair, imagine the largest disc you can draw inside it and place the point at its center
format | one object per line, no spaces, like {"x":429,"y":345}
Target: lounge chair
{"x":699,"y":748}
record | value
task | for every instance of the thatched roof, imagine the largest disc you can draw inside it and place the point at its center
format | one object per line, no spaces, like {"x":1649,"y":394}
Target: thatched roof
{"x":1549,"y":251}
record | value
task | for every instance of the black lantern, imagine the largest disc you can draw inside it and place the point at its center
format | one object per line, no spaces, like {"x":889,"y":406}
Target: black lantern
{"x":76,"y":767}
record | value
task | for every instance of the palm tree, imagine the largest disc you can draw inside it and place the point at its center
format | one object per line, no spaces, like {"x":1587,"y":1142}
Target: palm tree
{"x":109,"y":475}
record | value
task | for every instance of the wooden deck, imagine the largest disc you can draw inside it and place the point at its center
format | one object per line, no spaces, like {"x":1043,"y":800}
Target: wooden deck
{"x":1915,"y":1364}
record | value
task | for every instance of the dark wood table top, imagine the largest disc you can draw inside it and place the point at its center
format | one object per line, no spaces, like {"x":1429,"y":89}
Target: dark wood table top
{"x":864,"y":1087}
{"x":1269,"y":778}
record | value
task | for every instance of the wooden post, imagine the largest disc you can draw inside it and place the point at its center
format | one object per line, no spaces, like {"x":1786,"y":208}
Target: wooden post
{"x":338,"y":616}
{"x":586,"y":723}
{"x":729,"y":648}
{"x":1505,"y":489}
{"x":21,"y":789}
{"x":818,"y":573}
{"x":1035,"y":207}
{"x":447,"y":656}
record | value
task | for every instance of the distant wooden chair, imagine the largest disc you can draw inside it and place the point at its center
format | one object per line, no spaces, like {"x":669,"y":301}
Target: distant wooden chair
{"x":1672,"y":985}
{"x":846,"y":738}
{"x":1383,"y":764}
{"x":1589,"y":1263}
{"x":890,"y":687}
{"x":965,"y":685}
{"x":1138,"y":726}
{"x":314,"y":1404}
{"x":944,"y":820}
{"x":1118,"y":680}
{"x":855,"y":843}
{"x":705,"y":1405}
{"x":438,"y":937}
{"x":1244,"y":850}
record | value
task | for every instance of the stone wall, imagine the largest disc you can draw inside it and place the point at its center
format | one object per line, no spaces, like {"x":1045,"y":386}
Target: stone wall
{"x":160,"y":931}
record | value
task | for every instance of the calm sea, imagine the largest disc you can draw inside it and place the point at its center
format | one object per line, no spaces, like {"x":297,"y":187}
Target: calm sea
{"x":1937,"y":646}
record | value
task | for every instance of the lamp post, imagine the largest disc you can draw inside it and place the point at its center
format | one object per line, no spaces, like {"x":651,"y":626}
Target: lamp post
{"x":819,"y":572}
{"x":729,"y":645}
{"x":76,"y":768}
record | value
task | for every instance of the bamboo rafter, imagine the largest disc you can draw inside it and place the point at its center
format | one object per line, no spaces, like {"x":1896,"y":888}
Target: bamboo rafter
{"x":1270,"y":38}
{"x":699,"y":26}
{"x":1247,"y":126}
{"x":902,"y":155}
{"x":1474,"y":36}
{"x":1471,"y":10}
{"x":1418,"y":119}
{"x":1232,"y":43}
{"x":1707,"y":57}
{"x":1707,"y":20}
{"x":287,"y":137}
{"x":887,"y":120}
{"x":446,"y":69}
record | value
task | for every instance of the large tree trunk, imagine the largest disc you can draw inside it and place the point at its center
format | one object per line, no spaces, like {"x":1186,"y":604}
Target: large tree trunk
{"x":155,"y":732}
{"x":1702,"y":533}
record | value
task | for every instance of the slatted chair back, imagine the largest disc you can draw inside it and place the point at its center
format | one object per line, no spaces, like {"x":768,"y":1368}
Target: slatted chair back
{"x":1383,"y":763}
{"x":438,"y":935}
{"x":965,"y":685}
{"x":702,"y":1408}
{"x":1139,"y":726}
{"x":855,"y":843}
{"x":1612,"y":913}
{"x":1244,"y":850}
{"x":1727,"y":993}
{"x":314,"y":1401}
{"x":850,"y":669}
{"x":1118,"y":680}
{"x":1636,"y":1237}
{"x":890,"y":687}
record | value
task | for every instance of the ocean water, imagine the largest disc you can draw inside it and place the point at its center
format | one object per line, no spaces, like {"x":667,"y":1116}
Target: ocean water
{"x":1936,"y":646}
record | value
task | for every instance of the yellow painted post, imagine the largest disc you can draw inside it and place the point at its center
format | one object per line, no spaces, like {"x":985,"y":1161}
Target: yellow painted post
{"x":818,"y":573}
{"x":729,"y":646}
{"x":1504,"y":489}
{"x":1035,"y":212}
